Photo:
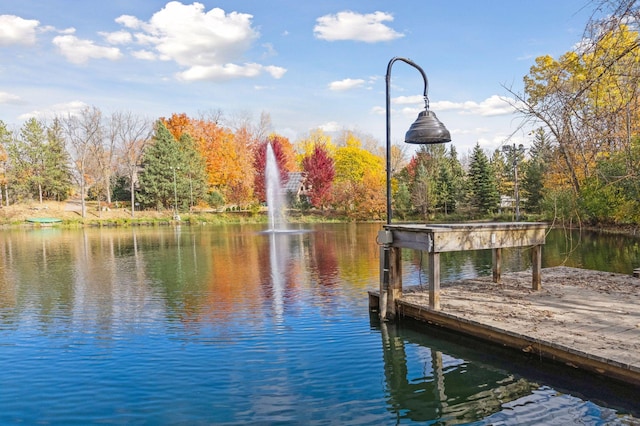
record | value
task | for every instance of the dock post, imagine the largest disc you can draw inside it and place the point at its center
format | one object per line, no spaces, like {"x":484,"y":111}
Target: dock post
{"x":497,"y":264}
{"x":536,"y":264}
{"x":394,"y":291}
{"x":434,"y":281}
{"x":390,"y":282}
{"x":385,"y":255}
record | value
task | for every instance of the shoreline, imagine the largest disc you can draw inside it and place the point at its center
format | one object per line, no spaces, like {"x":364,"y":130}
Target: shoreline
{"x":68,"y":214}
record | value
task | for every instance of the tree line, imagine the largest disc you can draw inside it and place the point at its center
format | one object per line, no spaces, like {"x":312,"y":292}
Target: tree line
{"x":582,"y":163}
{"x":180,"y":163}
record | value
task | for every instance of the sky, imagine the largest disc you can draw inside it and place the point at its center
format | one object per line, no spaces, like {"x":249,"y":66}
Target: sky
{"x":308,"y":64}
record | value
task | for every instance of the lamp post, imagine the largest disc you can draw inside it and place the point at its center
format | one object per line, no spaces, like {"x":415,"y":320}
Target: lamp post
{"x":427,"y":129}
{"x":515,"y":153}
{"x":176,"y":216}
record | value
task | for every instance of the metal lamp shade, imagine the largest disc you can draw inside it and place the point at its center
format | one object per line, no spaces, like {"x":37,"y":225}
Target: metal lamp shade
{"x":427,"y":129}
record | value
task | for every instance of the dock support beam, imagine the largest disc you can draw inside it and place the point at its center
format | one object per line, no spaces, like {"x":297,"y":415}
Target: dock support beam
{"x":536,"y":265}
{"x":434,"y":281}
{"x":497,"y":264}
{"x":391,"y":282}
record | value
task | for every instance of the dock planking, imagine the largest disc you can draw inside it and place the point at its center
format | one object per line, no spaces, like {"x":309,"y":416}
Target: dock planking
{"x":585,"y":319}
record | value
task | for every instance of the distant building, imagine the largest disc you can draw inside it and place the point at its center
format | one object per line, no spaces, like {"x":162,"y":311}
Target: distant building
{"x":296,"y":189}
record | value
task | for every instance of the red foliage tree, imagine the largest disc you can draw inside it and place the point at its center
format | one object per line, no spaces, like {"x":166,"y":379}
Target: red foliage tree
{"x":320,"y":171}
{"x":260,"y":164}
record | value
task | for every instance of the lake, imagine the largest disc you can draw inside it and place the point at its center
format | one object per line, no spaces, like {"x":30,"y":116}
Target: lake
{"x":228,"y":325}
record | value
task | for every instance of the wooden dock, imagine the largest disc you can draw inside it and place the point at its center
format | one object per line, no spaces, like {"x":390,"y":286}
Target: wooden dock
{"x":585,"y":319}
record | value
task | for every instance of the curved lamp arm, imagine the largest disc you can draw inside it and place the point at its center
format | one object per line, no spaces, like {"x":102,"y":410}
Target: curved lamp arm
{"x":427,"y":129}
{"x":388,"y":114}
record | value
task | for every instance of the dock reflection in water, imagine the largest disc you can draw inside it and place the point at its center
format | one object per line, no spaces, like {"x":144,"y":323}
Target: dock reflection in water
{"x":435,"y":378}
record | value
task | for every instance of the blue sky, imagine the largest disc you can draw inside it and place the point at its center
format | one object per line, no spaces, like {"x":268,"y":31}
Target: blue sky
{"x":308,"y":64}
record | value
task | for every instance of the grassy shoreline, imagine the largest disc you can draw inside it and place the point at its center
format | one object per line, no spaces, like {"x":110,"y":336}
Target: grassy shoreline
{"x":69,"y":215}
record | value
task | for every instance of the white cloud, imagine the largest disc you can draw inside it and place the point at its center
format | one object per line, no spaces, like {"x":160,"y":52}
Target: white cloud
{"x":378,"y":110}
{"x":228,"y":72}
{"x":9,"y":98}
{"x":408,"y":100}
{"x":118,"y":37}
{"x":80,"y":51}
{"x":492,"y":106}
{"x":129,"y":21}
{"x":346,"y":84}
{"x":69,"y":30}
{"x":331,"y":126}
{"x":348,"y":25}
{"x":57,"y":110}
{"x":16,"y":30}
{"x":208,"y":44}
{"x":145,"y":55}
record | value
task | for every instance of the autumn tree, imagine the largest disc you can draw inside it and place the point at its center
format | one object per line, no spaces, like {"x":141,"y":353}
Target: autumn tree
{"x":194,"y":170}
{"x":587,"y":98}
{"x":359,"y":184}
{"x":227,"y":157}
{"x":5,"y":140}
{"x":320,"y":171}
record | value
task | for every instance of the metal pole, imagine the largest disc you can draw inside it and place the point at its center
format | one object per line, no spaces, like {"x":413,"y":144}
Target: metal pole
{"x":388,"y":121}
{"x":515,"y":177}
{"x":175,"y":193}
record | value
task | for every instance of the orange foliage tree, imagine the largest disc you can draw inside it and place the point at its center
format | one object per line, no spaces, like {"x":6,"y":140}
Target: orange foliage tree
{"x":227,"y":157}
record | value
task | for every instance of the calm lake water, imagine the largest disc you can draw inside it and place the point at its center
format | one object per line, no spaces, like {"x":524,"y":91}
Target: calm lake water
{"x":227,"y":325}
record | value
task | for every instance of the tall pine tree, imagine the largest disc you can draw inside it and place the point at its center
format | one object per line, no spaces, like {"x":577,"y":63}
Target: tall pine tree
{"x":483,"y":188}
{"x":160,"y":164}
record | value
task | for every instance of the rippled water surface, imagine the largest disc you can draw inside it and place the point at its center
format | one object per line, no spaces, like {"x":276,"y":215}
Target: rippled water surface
{"x":228,"y":325}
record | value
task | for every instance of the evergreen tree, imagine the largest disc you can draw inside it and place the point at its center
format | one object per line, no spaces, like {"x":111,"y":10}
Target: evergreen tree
{"x":39,"y":162}
{"x":457,"y":191}
{"x":58,"y":184}
{"x":534,"y":172}
{"x":402,"y":198}
{"x":483,"y":188}
{"x":160,"y":164}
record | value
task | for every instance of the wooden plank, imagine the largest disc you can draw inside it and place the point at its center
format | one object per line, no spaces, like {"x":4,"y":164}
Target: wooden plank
{"x":443,"y":239}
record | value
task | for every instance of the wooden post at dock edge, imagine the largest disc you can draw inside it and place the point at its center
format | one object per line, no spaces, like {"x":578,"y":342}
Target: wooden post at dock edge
{"x":390,"y":282}
{"x":434,"y":281}
{"x":536,"y":264}
{"x":394,"y":291}
{"x":497,"y":264}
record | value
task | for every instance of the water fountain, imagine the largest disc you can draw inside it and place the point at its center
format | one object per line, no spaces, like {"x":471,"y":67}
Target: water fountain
{"x":276,"y":203}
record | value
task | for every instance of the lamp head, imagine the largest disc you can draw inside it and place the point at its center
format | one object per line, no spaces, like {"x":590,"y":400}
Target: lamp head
{"x":427,"y":129}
